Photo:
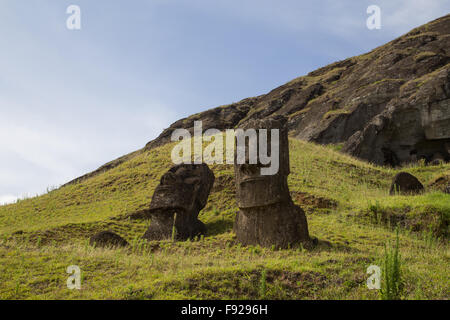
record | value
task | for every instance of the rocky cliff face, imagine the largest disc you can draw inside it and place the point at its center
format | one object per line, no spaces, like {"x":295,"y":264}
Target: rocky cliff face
{"x":389,"y":106}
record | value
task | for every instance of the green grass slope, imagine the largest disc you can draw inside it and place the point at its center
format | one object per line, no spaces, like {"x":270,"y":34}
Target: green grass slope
{"x":348,"y":210}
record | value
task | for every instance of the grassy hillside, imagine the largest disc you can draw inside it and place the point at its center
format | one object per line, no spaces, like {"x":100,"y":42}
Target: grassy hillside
{"x":348,"y":209}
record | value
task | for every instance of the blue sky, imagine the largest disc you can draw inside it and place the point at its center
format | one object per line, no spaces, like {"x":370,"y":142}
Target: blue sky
{"x":71,"y":101}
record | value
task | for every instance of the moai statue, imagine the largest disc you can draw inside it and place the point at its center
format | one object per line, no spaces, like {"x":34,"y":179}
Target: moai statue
{"x":267,"y":215}
{"x":183,"y":191}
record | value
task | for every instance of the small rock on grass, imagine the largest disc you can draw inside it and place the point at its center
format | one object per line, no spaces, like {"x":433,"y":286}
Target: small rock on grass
{"x":107,"y":239}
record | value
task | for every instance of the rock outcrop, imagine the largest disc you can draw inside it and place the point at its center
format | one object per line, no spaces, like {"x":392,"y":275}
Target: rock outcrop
{"x":414,"y":126}
{"x":389,"y":106}
{"x":267,"y":215}
{"x":182,"y":192}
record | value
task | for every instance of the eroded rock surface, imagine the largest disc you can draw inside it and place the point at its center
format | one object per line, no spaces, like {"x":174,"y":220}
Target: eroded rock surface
{"x":390,"y":106}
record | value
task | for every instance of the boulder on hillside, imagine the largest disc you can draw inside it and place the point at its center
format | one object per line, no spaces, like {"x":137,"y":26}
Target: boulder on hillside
{"x":107,"y":239}
{"x":405,"y":183}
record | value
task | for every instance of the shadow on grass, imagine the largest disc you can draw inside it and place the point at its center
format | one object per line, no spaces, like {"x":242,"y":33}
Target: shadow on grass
{"x":325,"y":245}
{"x":218,"y":227}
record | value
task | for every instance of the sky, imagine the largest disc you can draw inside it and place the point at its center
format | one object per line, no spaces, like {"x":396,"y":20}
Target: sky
{"x":72,"y":100}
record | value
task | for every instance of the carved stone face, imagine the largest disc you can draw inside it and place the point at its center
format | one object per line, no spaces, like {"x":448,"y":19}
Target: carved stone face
{"x":184,"y":187}
{"x":253,"y":188}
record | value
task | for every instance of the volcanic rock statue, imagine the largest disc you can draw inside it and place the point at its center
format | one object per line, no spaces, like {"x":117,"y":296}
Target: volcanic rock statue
{"x":267,"y":215}
{"x":177,"y":201}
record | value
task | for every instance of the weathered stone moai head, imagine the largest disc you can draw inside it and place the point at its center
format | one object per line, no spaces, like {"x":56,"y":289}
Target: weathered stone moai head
{"x":254,"y":188}
{"x":183,"y":191}
{"x":267,"y":215}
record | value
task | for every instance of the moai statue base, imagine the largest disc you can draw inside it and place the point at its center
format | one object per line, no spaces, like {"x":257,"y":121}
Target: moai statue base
{"x":267,"y":215}
{"x":281,"y":225}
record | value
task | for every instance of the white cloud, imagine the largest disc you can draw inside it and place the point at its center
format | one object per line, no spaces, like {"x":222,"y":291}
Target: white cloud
{"x":7,"y":199}
{"x":342,"y":18}
{"x":402,"y":16}
{"x":41,"y":148}
{"x":37,"y":151}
